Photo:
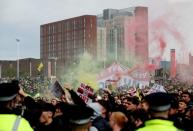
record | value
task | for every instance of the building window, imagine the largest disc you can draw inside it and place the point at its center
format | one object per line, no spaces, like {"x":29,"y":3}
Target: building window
{"x":84,"y":22}
{"x":59,"y":27}
{"x":52,"y":29}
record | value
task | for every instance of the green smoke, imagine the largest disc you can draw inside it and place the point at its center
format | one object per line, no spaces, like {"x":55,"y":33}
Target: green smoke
{"x":85,"y":71}
{"x":88,"y":68}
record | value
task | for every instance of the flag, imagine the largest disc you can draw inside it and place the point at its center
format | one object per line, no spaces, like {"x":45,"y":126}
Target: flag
{"x":138,"y":95}
{"x":40,"y":67}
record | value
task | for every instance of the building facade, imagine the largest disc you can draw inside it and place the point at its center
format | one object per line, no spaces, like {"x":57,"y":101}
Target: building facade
{"x":65,"y":41}
{"x":190,"y":59}
{"x":101,"y":44}
{"x":27,"y":67}
{"x":126,"y":33}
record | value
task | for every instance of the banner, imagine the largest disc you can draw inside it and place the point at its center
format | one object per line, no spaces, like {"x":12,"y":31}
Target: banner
{"x":158,"y":88}
{"x":85,"y":92}
{"x":56,"y":90}
{"x":118,"y":76}
{"x":155,"y":88}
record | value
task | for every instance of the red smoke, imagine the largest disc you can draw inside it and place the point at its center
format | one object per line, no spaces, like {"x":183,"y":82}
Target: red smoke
{"x":150,"y":67}
{"x":159,"y":29}
{"x":162,"y":45}
{"x":160,"y":25}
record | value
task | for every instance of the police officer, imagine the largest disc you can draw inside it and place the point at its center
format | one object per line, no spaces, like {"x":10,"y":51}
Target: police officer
{"x":159,"y":105}
{"x":9,"y":98}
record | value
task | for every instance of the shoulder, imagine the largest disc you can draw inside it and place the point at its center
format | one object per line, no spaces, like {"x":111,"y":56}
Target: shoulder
{"x":142,"y":129}
{"x":158,"y":128}
{"x":23,"y":124}
{"x":92,"y":128}
{"x":8,"y":118}
{"x":9,"y":121}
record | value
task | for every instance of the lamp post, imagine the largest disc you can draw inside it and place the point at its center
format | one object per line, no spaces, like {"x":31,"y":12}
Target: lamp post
{"x":18,"y":42}
{"x":30,"y":66}
{"x":0,"y":69}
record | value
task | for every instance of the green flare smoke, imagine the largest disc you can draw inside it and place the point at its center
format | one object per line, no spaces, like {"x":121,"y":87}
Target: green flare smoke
{"x":88,"y":68}
{"x":85,"y":71}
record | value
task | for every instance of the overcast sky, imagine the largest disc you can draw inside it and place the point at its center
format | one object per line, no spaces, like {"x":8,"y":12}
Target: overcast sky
{"x":21,"y":19}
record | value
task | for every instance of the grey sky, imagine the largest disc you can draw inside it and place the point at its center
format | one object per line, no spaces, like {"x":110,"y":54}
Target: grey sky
{"x":22,"y":19}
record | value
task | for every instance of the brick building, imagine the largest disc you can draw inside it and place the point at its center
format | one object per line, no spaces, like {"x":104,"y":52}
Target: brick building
{"x":101,"y":44}
{"x":28,"y":67}
{"x":64,"y":41}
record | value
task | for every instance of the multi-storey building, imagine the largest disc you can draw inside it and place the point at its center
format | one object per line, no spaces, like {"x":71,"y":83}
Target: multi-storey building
{"x":64,"y":41}
{"x":126,"y":33}
{"x":101,"y":44}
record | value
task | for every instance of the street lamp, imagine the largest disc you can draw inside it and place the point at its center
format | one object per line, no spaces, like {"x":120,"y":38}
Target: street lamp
{"x":0,"y":70}
{"x":18,"y":42}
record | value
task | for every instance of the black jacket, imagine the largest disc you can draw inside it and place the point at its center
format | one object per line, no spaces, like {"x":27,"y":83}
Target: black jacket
{"x":101,"y":124}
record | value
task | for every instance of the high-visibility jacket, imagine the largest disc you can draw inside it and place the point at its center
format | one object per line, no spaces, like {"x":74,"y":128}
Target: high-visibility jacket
{"x":11,"y":122}
{"x":158,"y":125}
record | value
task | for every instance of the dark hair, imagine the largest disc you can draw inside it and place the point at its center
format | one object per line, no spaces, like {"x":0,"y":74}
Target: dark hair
{"x":47,"y":107}
{"x":174,"y":101}
{"x":15,"y":82}
{"x":187,"y":93}
{"x":134,"y":100}
{"x":140,"y":114}
{"x":64,"y":107}
{"x":181,"y":100}
{"x":105,"y":104}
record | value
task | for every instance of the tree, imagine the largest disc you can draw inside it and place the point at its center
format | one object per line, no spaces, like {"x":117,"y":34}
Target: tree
{"x":9,"y":72}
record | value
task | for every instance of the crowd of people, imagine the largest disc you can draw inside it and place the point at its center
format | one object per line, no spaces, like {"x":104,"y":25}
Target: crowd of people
{"x":31,"y":85}
{"x":167,"y":111}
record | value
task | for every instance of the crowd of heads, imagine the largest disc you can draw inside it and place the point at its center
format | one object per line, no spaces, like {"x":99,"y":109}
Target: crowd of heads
{"x":110,"y":111}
